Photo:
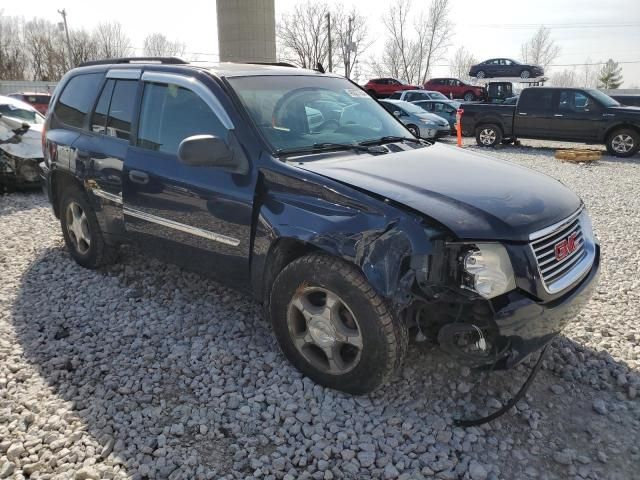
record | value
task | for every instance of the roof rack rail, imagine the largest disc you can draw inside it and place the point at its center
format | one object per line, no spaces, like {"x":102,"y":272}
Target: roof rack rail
{"x":111,"y":61}
{"x":275,"y":64}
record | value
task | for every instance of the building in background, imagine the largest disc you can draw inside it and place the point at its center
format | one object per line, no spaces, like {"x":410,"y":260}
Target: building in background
{"x":246,"y":30}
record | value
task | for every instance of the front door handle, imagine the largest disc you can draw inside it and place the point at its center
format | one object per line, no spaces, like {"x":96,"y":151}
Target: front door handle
{"x":136,"y":176}
{"x":558,"y":115}
{"x":522,"y":113}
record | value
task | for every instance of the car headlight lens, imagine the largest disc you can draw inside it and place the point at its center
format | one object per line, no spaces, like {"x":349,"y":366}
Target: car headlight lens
{"x":488,"y":270}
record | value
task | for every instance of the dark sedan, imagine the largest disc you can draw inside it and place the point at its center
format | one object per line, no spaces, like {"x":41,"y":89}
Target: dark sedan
{"x":505,"y":67}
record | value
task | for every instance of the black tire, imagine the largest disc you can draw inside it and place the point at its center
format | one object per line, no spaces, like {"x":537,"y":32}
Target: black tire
{"x":525,"y":74}
{"x":97,"y":253}
{"x":626,"y":137}
{"x":488,"y":135}
{"x":415,"y":131}
{"x":372,"y":93}
{"x":481,"y":74}
{"x":384,"y":337}
{"x":469,"y":97}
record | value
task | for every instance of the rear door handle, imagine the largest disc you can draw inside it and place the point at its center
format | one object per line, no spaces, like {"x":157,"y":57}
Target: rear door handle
{"x":522,"y":113}
{"x":136,"y":176}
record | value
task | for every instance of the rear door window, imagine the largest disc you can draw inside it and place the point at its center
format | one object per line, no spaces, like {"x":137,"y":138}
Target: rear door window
{"x":77,"y":99}
{"x":536,"y":101}
{"x":121,"y":109}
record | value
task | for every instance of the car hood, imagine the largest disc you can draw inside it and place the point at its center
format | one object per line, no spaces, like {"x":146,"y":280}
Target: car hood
{"x":432,"y":117}
{"x":475,"y":196}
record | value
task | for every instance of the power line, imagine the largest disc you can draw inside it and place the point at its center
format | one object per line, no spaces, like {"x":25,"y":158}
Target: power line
{"x":527,"y":26}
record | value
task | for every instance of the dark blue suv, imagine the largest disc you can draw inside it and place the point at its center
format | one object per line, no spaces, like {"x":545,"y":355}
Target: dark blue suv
{"x":299,"y":188}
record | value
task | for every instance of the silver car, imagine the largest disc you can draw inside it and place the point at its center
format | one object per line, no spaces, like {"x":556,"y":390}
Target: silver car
{"x":419,"y":122}
{"x":414,"y":95}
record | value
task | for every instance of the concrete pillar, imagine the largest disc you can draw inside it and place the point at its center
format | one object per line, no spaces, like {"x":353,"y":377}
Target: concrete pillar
{"x":246,"y":30}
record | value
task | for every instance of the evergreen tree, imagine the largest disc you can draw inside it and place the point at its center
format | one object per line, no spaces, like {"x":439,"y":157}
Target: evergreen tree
{"x":610,"y":75}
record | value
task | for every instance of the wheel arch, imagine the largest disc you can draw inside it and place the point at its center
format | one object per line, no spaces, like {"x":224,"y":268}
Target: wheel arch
{"x":61,"y":180}
{"x":619,"y":126}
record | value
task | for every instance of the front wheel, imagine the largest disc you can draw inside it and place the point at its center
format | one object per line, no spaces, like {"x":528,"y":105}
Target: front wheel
{"x":415,"y":131}
{"x":481,"y":74}
{"x":525,"y":74}
{"x":82,"y":233}
{"x":623,"y":142}
{"x":488,"y":135}
{"x":469,"y":97}
{"x":333,"y":326}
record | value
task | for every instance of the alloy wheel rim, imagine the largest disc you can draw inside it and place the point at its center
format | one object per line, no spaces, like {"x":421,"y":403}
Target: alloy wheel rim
{"x":622,"y":143}
{"x":525,"y":74}
{"x":480,"y":74}
{"x":78,"y":228}
{"x":324,"y":330}
{"x":468,"y":97}
{"x":487,"y":136}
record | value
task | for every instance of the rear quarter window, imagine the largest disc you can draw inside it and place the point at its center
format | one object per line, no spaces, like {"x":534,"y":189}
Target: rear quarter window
{"x":77,"y":98}
{"x":539,"y":100}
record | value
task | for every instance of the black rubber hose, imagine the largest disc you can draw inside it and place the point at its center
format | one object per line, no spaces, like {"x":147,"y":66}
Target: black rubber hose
{"x":516,"y":398}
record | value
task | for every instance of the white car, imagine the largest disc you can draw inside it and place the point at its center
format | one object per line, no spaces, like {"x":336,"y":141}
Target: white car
{"x":414,"y":95}
{"x":20,"y":143}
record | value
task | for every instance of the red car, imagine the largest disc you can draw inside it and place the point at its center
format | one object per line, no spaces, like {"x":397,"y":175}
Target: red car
{"x":454,"y":88}
{"x":39,"y":101}
{"x":383,"y":87}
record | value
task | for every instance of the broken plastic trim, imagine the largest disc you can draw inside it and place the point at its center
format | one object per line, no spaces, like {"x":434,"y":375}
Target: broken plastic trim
{"x":511,"y":403}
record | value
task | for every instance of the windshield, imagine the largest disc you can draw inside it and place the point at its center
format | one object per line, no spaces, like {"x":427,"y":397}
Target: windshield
{"x":603,"y":98}
{"x":411,"y":108}
{"x":29,"y":116}
{"x":297,"y":112}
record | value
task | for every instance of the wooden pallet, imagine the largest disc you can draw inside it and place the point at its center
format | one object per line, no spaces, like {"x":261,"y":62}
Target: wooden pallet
{"x":578,"y":155}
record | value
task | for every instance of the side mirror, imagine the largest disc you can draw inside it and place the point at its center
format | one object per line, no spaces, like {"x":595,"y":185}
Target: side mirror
{"x":210,"y":151}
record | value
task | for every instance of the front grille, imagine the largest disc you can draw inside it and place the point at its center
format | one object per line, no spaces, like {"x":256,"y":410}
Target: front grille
{"x":558,"y":274}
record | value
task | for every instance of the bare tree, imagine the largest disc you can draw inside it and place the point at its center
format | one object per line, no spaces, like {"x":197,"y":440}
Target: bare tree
{"x":351,"y":38}
{"x":412,"y":49}
{"x":540,"y":49}
{"x":13,"y":60}
{"x":461,"y":63}
{"x":84,"y":47}
{"x":565,"y":78}
{"x":302,"y":36}
{"x":111,"y":40}
{"x":433,"y":38}
{"x":588,"y":74}
{"x":43,"y":44}
{"x":158,"y":45}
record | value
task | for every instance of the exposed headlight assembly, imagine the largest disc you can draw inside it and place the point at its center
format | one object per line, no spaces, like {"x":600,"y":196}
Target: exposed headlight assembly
{"x":487,"y":270}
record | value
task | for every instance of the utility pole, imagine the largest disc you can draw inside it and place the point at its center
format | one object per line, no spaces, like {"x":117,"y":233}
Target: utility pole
{"x":63,"y":12}
{"x":347,"y":64}
{"x":329,"y":34}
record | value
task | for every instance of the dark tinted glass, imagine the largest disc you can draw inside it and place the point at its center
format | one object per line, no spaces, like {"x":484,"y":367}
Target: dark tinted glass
{"x":99,"y":120}
{"x":395,"y":95}
{"x":121,"y":109}
{"x":170,"y":114}
{"x":540,"y":100}
{"x":77,"y":99}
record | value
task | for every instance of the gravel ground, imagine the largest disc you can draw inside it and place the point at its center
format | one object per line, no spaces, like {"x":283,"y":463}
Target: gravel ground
{"x":143,"y":370}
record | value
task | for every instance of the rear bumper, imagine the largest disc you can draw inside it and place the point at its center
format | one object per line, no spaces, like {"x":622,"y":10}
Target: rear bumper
{"x":527,"y":326}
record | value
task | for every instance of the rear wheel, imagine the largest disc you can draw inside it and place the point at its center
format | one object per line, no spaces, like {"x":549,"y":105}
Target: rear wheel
{"x":333,"y":326}
{"x":481,"y":74}
{"x":525,"y":74}
{"x":82,"y":233}
{"x":488,"y":135}
{"x":623,"y":142}
{"x":469,"y":97}
{"x":415,"y":131}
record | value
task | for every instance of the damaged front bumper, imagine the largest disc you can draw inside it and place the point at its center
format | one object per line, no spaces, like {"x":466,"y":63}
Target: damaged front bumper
{"x":18,"y":172}
{"x":528,"y":325}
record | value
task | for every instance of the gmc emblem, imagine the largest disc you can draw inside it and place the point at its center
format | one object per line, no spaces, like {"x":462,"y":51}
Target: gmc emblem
{"x":566,"y":247}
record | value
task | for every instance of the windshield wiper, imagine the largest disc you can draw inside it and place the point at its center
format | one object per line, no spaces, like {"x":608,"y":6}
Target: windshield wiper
{"x":323,"y":147}
{"x":390,"y":139}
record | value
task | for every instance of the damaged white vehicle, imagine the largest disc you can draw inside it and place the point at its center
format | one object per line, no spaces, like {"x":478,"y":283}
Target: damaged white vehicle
{"x":20,"y":144}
